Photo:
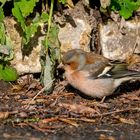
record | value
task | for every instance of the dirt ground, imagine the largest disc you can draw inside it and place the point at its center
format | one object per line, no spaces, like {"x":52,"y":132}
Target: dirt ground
{"x":66,"y":114}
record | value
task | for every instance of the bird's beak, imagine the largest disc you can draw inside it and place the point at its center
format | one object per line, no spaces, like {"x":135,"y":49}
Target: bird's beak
{"x":60,"y":66}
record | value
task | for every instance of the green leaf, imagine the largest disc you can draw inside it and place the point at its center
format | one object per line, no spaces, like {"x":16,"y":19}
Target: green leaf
{"x":53,"y":33}
{"x":125,"y":7}
{"x":26,"y":6}
{"x":1,"y":14}
{"x":2,"y":34}
{"x":2,"y":1}
{"x":17,"y":13}
{"x":30,"y":31}
{"x":44,"y":17}
{"x":63,"y":1}
{"x":8,"y":73}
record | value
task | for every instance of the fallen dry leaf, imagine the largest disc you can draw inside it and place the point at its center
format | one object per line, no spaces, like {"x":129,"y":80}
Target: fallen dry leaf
{"x":127,"y":121}
{"x":47,"y":120}
{"x":4,"y":115}
{"x":27,"y":101}
{"x":70,"y":4}
{"x":79,"y":109}
{"x":133,"y":62}
{"x":104,"y":137}
{"x":132,"y":97}
{"x":123,"y":120}
{"x":16,"y":88}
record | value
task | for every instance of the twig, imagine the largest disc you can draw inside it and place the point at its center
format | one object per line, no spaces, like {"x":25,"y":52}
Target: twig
{"x":104,"y":130}
{"x":117,"y":111}
{"x":39,"y":93}
{"x":38,"y":128}
{"x":83,"y":119}
{"x":73,"y":123}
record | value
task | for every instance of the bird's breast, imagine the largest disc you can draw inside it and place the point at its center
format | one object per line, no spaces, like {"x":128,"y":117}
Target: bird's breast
{"x":91,"y":87}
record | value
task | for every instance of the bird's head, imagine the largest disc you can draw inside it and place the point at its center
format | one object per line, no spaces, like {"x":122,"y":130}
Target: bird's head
{"x":74,"y":59}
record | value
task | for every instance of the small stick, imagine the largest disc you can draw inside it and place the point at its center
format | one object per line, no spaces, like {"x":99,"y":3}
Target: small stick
{"x":117,"y":111}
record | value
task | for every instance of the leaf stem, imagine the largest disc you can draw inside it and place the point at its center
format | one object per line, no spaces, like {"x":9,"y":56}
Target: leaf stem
{"x":50,"y":19}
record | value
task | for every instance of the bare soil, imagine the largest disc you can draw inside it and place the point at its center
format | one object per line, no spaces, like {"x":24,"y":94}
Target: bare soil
{"x":66,"y":114}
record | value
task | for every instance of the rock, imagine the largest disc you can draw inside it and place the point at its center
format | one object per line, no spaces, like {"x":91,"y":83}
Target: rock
{"x":134,"y":62}
{"x":75,"y":37}
{"x":77,"y":30}
{"x":119,"y":42}
{"x":30,"y":63}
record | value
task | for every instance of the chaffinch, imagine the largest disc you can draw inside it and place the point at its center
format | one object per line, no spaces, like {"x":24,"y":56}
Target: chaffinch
{"x":93,"y":74}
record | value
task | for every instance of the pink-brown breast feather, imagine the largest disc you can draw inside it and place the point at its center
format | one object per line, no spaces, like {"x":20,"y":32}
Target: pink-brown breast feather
{"x":91,"y":87}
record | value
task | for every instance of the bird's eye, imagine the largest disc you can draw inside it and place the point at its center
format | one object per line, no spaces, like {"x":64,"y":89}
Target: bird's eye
{"x":68,"y":64}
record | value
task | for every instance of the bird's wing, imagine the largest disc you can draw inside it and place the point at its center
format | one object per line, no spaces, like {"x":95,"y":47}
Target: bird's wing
{"x":119,"y":70}
{"x":100,"y":67}
{"x":96,"y":65}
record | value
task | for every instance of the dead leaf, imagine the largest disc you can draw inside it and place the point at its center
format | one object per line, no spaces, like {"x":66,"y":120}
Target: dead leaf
{"x":132,"y":97}
{"x":49,"y":120}
{"x":27,"y":101}
{"x":134,"y":62}
{"x":104,"y":137}
{"x":70,"y":4}
{"x":105,"y":3}
{"x":123,"y":120}
{"x":16,"y":88}
{"x":79,"y":109}
{"x":23,"y":114}
{"x":4,"y":115}
{"x":127,"y":121}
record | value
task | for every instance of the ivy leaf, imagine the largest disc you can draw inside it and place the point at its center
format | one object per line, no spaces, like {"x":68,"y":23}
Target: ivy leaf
{"x":8,"y":73}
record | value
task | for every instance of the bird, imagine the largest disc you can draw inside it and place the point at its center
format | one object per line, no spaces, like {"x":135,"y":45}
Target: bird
{"x":93,"y":74}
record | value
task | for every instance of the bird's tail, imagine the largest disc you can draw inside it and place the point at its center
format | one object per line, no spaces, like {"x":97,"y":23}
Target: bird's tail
{"x":127,"y":77}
